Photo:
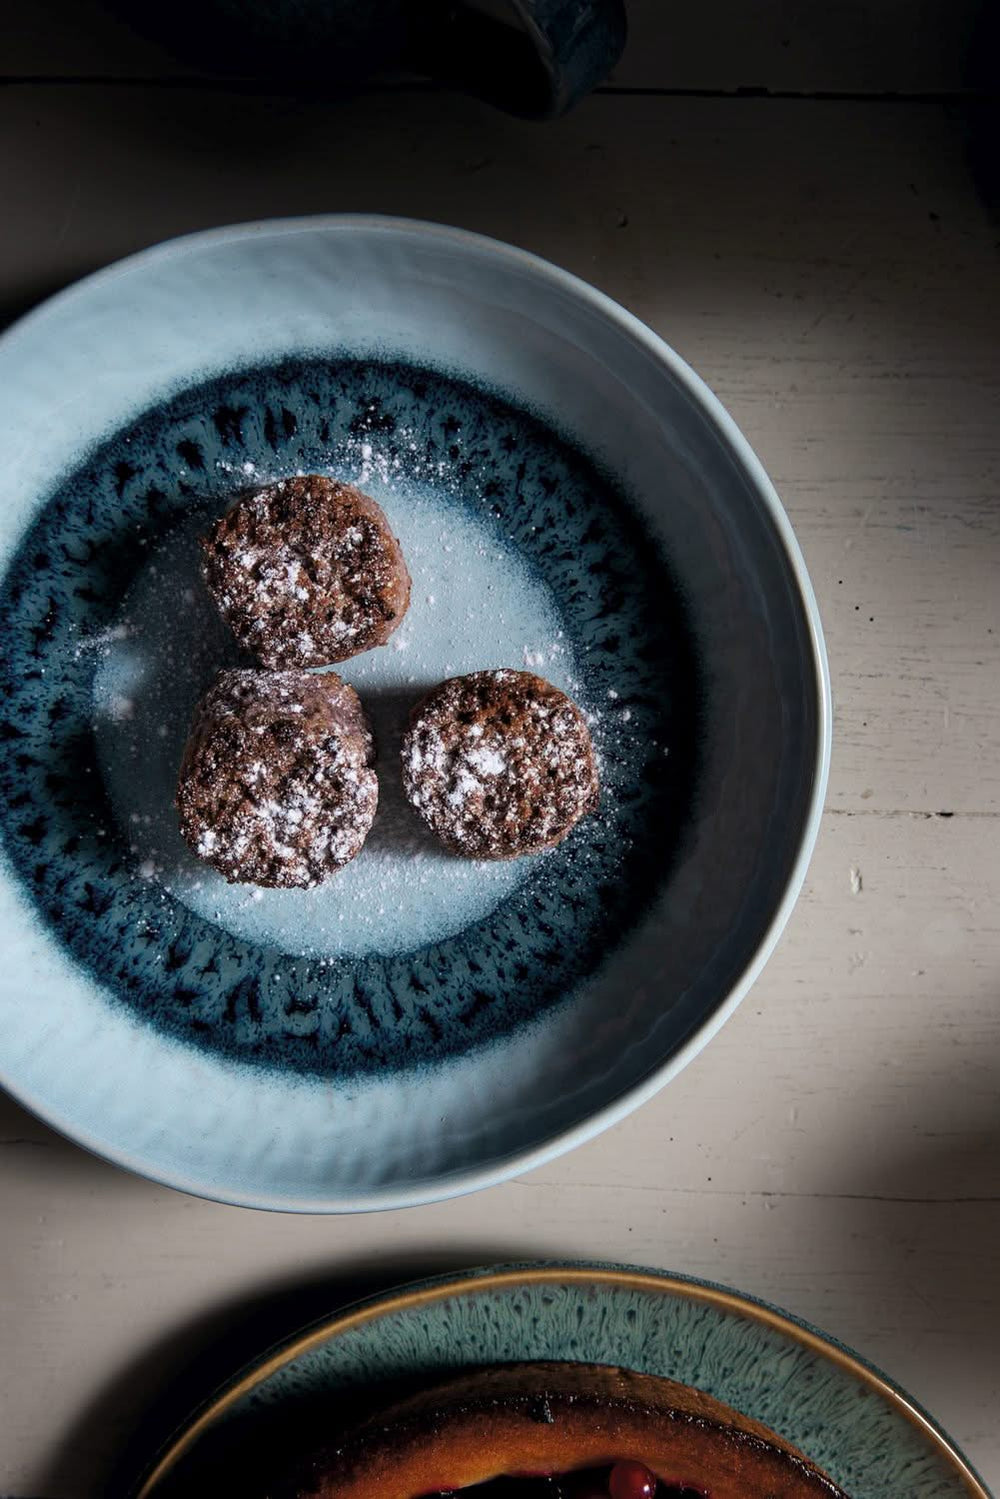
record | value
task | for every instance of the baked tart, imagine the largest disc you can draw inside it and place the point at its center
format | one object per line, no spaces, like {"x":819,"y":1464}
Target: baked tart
{"x":563,"y":1431}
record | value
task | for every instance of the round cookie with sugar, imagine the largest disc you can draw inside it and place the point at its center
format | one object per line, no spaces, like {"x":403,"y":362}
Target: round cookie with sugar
{"x":499,"y":764}
{"x":276,"y":787}
{"x":306,"y":572}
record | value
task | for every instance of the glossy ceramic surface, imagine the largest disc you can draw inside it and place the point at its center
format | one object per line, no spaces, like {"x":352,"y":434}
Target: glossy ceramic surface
{"x":569,"y":497}
{"x":850,"y":1419}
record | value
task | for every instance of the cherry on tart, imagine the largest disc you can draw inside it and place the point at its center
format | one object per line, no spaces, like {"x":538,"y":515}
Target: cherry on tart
{"x":630,"y":1480}
{"x":564,"y":1431}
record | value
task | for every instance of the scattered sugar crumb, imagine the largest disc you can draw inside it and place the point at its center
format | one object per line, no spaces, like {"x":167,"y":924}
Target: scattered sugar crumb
{"x":489,"y":762}
{"x":394,"y":891}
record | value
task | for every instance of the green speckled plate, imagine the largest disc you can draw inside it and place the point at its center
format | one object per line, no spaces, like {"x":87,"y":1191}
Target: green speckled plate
{"x":849,"y":1418}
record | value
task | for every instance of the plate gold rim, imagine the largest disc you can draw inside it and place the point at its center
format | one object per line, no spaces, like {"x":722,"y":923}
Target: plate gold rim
{"x":642,"y":1280}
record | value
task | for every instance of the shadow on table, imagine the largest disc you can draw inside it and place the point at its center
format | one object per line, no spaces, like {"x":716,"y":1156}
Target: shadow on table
{"x":923,"y":1225}
{"x":155,"y":1394}
{"x":186,"y":152}
{"x":132,"y":1416}
{"x":983,"y":113}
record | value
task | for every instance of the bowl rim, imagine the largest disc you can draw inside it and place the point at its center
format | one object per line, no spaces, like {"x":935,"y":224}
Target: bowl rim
{"x":559,"y":1142}
{"x":416,"y":1294}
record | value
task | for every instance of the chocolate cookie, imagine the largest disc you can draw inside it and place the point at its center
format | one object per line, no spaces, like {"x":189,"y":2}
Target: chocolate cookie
{"x":276,"y":786}
{"x":499,"y":764}
{"x":306,"y":571}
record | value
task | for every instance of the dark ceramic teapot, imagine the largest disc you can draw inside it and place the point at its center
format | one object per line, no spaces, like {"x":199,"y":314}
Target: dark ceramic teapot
{"x":533,"y":58}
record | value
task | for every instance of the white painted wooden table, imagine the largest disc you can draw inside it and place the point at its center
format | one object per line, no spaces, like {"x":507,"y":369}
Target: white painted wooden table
{"x":830,"y":268}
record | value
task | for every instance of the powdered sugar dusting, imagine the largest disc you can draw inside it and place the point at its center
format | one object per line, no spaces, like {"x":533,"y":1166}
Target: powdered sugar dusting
{"x":403,"y":890}
{"x":499,"y":764}
{"x":488,"y":762}
{"x":301,"y":812}
{"x":305,"y":571}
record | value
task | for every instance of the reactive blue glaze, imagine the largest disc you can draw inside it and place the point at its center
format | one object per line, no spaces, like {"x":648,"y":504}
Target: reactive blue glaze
{"x":62,"y":600}
{"x":241,"y":1057}
{"x":841,"y":1413}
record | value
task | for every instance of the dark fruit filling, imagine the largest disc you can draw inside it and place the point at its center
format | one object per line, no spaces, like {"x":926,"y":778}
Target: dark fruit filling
{"x":626,"y":1480}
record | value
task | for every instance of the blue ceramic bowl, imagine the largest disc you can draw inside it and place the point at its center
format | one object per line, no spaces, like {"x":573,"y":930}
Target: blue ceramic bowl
{"x":852,"y":1420}
{"x":569,"y":497}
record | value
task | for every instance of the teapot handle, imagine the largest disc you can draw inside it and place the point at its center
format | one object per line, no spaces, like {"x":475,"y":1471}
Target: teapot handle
{"x":533,"y":58}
